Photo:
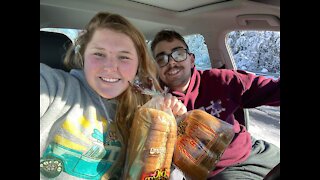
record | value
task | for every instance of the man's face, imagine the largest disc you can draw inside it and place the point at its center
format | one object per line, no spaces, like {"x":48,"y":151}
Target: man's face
{"x":175,"y":75}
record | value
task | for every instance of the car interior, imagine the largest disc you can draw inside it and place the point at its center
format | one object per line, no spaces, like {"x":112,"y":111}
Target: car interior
{"x":213,"y":19}
{"x":53,"y":47}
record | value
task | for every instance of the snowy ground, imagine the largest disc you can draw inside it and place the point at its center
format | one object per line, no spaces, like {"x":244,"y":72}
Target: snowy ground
{"x":265,"y":124}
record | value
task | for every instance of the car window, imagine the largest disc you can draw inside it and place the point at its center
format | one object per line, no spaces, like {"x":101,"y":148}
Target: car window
{"x":258,"y":52}
{"x":199,"y":48}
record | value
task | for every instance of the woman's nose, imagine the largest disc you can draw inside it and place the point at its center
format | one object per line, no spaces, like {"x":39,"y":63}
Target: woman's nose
{"x":110,"y":63}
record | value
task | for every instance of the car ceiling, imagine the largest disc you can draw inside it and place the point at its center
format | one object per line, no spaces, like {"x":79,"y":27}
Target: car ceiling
{"x":178,"y":5}
{"x":150,"y":16}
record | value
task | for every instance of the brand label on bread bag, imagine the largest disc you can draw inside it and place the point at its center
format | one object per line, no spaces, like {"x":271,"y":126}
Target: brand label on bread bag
{"x":157,"y":175}
{"x":197,"y":141}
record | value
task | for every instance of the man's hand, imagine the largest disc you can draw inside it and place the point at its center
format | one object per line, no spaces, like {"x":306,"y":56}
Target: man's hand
{"x":172,"y":102}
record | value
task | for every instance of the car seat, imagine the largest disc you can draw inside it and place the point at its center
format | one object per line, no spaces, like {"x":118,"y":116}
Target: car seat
{"x":53,"y":48}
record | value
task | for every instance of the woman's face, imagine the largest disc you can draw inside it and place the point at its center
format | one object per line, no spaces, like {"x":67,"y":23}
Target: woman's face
{"x":110,"y":61}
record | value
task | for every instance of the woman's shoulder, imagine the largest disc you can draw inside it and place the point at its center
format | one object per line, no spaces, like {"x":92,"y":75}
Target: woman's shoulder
{"x":45,"y":69}
{"x":56,"y":77}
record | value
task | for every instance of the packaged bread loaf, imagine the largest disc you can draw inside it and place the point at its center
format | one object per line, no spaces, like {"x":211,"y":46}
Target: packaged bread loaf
{"x":202,"y":139}
{"x":151,"y":143}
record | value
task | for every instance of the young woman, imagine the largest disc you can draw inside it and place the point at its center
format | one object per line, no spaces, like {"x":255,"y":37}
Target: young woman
{"x":85,"y":115}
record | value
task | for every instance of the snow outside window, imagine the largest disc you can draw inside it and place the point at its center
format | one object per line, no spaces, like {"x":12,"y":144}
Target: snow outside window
{"x":199,"y":48}
{"x":256,"y":51}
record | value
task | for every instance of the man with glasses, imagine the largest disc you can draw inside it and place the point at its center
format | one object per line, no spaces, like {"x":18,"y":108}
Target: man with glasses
{"x":220,"y":92}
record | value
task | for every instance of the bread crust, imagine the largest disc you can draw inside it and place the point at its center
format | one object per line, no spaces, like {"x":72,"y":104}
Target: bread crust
{"x":201,"y":141}
{"x":152,"y":139}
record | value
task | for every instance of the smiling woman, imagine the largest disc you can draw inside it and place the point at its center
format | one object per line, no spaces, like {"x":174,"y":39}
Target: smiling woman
{"x":80,"y":124}
{"x":207,"y":22}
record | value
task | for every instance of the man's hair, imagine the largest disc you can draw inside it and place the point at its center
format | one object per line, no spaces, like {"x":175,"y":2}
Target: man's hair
{"x":167,"y":35}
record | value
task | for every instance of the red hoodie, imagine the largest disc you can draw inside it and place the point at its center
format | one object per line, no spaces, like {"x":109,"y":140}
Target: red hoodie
{"x":221,"y":92}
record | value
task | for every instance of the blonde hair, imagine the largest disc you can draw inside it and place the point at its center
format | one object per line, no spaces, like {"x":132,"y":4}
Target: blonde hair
{"x":129,"y":100}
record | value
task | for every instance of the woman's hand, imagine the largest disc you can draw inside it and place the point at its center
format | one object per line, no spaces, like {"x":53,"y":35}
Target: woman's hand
{"x":177,"y":107}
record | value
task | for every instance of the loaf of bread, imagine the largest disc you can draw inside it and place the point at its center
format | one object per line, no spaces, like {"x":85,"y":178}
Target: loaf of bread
{"x":202,"y":139}
{"x":151,"y":145}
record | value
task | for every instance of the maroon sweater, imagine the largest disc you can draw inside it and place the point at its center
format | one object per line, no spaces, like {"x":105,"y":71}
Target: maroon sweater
{"x":221,"y":92}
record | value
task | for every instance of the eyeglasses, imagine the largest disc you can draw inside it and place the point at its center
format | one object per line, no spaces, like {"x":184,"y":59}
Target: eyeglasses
{"x":177,"y":55}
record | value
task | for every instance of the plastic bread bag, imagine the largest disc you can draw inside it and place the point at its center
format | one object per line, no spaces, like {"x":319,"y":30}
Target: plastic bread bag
{"x":202,"y":139}
{"x":153,"y":135}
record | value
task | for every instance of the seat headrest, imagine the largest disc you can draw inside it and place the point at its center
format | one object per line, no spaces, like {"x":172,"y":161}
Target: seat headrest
{"x":53,"y":48}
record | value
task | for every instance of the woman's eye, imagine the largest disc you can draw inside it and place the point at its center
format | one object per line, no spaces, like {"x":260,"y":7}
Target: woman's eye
{"x":123,"y":57}
{"x":99,"y":54}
